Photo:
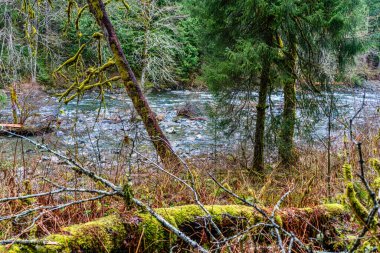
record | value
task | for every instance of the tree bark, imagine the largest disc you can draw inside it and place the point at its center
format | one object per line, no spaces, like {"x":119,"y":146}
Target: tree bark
{"x":287,"y":147}
{"x":158,"y":138}
{"x":258,"y":156}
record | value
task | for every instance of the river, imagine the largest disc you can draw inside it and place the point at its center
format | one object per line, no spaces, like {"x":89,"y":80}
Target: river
{"x":106,"y":129}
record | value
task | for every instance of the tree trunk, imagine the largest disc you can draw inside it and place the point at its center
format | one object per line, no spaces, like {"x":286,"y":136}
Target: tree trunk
{"x":140,"y":232}
{"x":133,"y":89}
{"x":14,"y":103}
{"x":258,"y":158}
{"x":33,"y":22}
{"x":145,"y":60}
{"x":286,"y":147}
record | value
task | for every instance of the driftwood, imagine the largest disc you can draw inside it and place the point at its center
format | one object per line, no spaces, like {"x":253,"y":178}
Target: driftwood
{"x":141,"y":231}
{"x":24,"y":130}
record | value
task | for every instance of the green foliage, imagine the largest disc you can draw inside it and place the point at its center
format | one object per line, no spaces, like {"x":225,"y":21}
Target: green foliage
{"x":315,"y":27}
{"x":238,"y":69}
{"x":160,"y":27}
{"x":3,"y":99}
{"x":360,"y":211}
{"x":73,"y":37}
{"x":303,"y":41}
{"x":189,"y":58}
{"x":375,"y":164}
{"x":223,"y":25}
{"x":374,"y":22}
{"x":44,"y":72}
{"x":347,"y":172}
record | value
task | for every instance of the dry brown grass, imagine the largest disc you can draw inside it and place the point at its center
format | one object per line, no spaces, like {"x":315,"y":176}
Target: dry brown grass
{"x":24,"y":172}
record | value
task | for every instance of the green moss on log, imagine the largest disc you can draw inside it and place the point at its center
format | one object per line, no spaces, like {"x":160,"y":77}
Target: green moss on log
{"x":375,"y":164}
{"x":103,"y":235}
{"x":115,"y":234}
{"x":347,"y":172}
{"x":358,"y":208}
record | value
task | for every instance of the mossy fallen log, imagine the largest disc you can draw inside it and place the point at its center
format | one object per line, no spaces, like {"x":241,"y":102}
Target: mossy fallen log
{"x":117,"y":233}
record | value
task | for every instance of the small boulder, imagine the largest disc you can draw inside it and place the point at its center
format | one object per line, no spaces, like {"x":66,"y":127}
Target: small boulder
{"x":189,"y":110}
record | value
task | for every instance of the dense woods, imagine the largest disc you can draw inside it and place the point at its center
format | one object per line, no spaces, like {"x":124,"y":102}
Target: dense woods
{"x":189,"y":126}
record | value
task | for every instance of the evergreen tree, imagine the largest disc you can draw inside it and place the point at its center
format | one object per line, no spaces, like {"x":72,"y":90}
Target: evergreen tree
{"x":374,"y":22}
{"x":267,"y":43}
{"x":243,"y":51}
{"x":309,"y":30}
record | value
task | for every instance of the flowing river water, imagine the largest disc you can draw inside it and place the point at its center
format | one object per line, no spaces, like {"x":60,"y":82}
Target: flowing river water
{"x":82,"y":125}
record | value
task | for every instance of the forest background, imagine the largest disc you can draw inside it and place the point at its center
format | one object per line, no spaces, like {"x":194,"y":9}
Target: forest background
{"x":243,"y":53}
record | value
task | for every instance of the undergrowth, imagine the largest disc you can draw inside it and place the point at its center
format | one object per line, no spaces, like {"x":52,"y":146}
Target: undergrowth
{"x":31,"y":172}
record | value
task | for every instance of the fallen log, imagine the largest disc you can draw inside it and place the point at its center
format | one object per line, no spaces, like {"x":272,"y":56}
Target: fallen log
{"x":11,"y":125}
{"x":24,"y":130}
{"x":141,"y":232}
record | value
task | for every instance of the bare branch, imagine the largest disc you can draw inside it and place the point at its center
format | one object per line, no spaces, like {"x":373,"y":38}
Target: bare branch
{"x":53,"y":192}
{"x":27,"y":242}
{"x":52,"y":208}
{"x":74,"y":165}
{"x":355,"y":116}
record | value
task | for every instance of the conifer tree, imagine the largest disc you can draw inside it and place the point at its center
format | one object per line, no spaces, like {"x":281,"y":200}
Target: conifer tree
{"x":310,"y":30}
{"x":289,"y":41}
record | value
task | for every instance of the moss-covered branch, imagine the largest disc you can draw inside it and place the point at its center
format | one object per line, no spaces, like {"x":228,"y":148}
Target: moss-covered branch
{"x":141,"y":230}
{"x":85,"y":84}
{"x":71,"y":60}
